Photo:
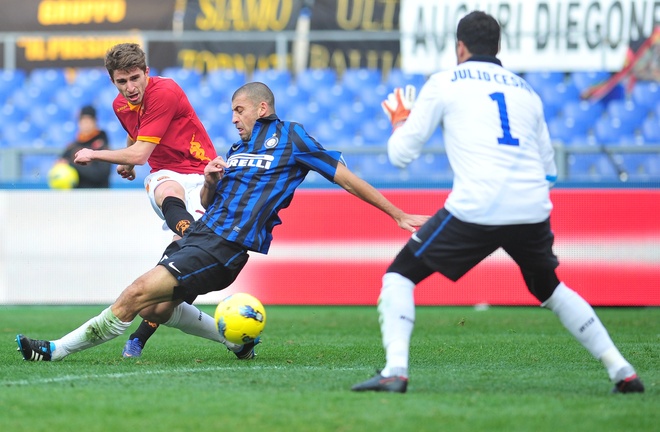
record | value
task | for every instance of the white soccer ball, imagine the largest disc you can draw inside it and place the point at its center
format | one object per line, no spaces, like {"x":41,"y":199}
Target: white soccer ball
{"x":240,"y":318}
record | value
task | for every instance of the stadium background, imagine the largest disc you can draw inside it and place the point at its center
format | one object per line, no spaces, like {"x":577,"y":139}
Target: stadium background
{"x":330,"y":63}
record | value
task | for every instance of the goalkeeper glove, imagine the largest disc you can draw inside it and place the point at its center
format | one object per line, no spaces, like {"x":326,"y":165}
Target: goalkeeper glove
{"x":398,"y":104}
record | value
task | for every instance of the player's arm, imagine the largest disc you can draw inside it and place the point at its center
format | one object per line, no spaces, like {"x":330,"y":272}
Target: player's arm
{"x":367,"y":193}
{"x":413,"y":124}
{"x":136,"y":154}
{"x":127,"y":171}
{"x":213,"y":173}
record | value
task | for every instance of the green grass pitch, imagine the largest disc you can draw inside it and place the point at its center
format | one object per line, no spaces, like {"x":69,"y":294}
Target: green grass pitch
{"x":503,"y":369}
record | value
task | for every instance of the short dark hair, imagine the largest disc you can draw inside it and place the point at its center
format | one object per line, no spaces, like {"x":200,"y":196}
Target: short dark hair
{"x":125,"y":57}
{"x":480,"y":33}
{"x":257,"y":92}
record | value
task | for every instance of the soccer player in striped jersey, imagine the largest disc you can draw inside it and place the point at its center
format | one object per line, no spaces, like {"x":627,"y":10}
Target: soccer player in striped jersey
{"x":499,"y":148}
{"x":165,"y":132}
{"x":242,"y":196}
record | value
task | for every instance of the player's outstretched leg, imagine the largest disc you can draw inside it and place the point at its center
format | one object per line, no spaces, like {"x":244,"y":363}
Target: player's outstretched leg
{"x":102,"y":328}
{"x":189,"y":319}
{"x":396,"y":309}
{"x":137,"y":340}
{"x":581,"y":321}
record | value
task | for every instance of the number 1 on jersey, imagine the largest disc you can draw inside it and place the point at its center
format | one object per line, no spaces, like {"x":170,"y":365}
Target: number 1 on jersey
{"x":506,"y":139}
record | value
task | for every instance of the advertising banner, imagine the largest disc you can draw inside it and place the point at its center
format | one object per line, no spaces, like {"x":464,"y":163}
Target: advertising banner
{"x":204,"y":34}
{"x":566,"y":35}
{"x":331,"y":249}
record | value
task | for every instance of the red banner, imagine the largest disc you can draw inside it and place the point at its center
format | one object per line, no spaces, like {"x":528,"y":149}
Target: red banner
{"x":333,"y":249}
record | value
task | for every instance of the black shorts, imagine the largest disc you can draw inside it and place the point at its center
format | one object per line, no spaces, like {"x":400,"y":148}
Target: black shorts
{"x":452,"y":247}
{"x":202,"y":262}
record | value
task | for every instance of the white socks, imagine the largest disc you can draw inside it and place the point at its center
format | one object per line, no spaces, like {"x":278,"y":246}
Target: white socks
{"x":396,"y":309}
{"x":581,"y":321}
{"x":100,"y":329}
{"x":189,"y":319}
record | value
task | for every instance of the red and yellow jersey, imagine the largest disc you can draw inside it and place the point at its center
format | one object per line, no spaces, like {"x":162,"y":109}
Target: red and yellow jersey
{"x":166,"y":118}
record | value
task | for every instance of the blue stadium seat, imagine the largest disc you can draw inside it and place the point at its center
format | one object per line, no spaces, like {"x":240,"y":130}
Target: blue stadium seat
{"x":376,"y":132}
{"x":22,"y":134}
{"x":377,"y":167}
{"x":582,"y":141}
{"x":582,"y":112}
{"x":29,"y":95}
{"x":11,"y":114}
{"x":105,"y":97}
{"x":542,"y":79}
{"x":651,"y":131}
{"x":42,"y":116}
{"x":328,"y":132}
{"x":104,"y":113}
{"x":290,"y":96}
{"x":556,"y":96}
{"x":652,"y":166}
{"x":202,"y":96}
{"x":49,"y":80}
{"x":399,"y":78}
{"x":430,"y":167}
{"x":219,"y":113}
{"x":358,"y":79}
{"x":10,"y":80}
{"x":276,"y":79}
{"x":91,"y":78}
{"x":72,"y":97}
{"x":35,"y":167}
{"x":636,"y":166}
{"x":627,"y":112}
{"x":591,"y":167}
{"x":312,"y":79}
{"x":583,"y":80}
{"x":373,"y":96}
{"x":331,"y":97}
{"x":59,"y":134}
{"x":116,"y":134}
{"x":437,"y":138}
{"x":354,"y":113}
{"x":646,"y":94}
{"x":225,"y":81}
{"x":186,"y":78}
{"x":566,"y":129}
{"x":611,"y":131}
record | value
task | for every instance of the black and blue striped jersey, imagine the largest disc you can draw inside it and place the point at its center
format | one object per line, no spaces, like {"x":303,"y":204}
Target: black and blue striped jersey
{"x":262,"y":176}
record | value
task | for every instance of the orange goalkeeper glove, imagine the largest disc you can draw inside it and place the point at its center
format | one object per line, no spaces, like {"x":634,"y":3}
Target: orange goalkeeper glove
{"x":398,"y":104}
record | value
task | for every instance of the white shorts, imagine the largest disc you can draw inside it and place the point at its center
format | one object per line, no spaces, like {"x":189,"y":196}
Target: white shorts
{"x":191,"y":183}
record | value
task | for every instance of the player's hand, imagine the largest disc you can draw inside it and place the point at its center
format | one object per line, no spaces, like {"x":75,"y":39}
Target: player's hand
{"x":126,"y":171}
{"x":412,"y":222}
{"x":215,"y":170}
{"x":398,"y":104}
{"x":83,"y":156}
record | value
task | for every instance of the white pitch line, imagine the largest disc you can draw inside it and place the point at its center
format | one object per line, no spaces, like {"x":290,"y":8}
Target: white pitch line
{"x":120,"y":375}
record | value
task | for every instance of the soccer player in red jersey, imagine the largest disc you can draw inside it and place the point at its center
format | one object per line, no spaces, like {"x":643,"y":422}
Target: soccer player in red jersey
{"x":165,"y":132}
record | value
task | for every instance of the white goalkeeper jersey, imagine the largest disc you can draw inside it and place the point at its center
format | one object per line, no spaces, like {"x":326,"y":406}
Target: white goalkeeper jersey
{"x":496,"y":140}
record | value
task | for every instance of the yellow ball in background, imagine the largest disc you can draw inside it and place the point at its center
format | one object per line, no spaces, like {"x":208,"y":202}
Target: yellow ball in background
{"x":62,"y":176}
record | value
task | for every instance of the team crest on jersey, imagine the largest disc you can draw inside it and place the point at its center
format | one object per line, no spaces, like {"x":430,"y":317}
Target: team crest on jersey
{"x":271,"y":142}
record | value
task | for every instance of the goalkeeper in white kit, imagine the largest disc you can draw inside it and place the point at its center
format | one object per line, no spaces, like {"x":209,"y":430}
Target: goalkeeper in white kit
{"x":499,"y":148}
